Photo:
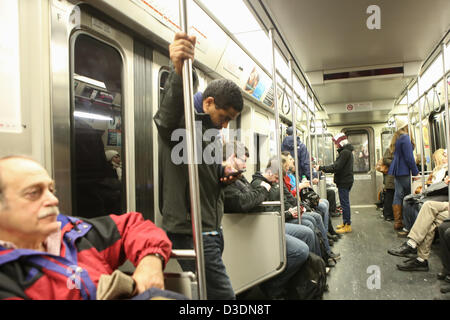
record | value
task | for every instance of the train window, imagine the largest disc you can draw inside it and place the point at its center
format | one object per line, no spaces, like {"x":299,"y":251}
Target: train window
{"x":97,"y":151}
{"x":325,"y":148}
{"x":386,"y":138}
{"x":437,"y":130}
{"x":361,"y":155}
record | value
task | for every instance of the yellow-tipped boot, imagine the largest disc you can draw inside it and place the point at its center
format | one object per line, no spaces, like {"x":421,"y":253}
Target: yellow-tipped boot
{"x":345,"y":229}
{"x":340,"y":226}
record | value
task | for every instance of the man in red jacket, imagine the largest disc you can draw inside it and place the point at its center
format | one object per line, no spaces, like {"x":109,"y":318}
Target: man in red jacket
{"x":46,"y":255}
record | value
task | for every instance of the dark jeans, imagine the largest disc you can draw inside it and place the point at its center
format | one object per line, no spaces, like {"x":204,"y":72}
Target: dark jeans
{"x":402,"y":189}
{"x":298,"y":238}
{"x":331,"y":197}
{"x":444,"y":236}
{"x":344,"y":197}
{"x":410,"y":211}
{"x":218,"y":284}
{"x":387,"y":205}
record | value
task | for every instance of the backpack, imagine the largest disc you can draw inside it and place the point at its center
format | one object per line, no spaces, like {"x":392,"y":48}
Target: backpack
{"x":310,"y":281}
{"x":323,"y":249}
{"x":309,"y":197}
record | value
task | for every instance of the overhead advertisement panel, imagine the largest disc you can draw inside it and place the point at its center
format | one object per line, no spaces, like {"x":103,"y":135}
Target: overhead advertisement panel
{"x":10,"y":115}
{"x":211,"y":39}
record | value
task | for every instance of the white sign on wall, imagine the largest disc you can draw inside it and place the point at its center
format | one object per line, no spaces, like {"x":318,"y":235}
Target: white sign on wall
{"x":10,"y":117}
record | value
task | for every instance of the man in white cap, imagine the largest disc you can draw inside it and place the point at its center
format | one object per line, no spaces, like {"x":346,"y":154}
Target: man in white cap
{"x":343,"y":177}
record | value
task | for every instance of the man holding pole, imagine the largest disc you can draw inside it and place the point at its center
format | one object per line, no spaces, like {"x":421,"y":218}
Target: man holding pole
{"x":220,"y":103}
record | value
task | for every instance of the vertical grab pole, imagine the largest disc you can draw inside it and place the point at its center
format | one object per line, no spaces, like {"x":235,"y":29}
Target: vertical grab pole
{"x":278,"y":138}
{"x":409,"y":125}
{"x":308,"y":124}
{"x":447,"y":113}
{"x":294,"y":134}
{"x":191,"y":141}
{"x":422,"y":149}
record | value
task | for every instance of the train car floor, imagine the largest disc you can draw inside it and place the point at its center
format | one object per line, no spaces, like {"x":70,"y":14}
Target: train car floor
{"x":364,"y":256}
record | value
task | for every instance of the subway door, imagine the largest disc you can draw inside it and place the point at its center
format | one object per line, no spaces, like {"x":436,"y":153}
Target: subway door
{"x":364,"y":190}
{"x":93,"y":133}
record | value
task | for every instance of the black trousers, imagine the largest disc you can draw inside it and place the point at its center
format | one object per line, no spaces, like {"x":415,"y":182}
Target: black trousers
{"x":387,"y":205}
{"x":444,"y":243}
{"x":331,"y":197}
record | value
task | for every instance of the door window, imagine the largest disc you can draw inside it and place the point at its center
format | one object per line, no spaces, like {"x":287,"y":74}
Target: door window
{"x":97,"y":151}
{"x":361,"y":153}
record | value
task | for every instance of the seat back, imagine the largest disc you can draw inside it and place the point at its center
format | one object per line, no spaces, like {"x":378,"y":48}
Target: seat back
{"x":254,"y":247}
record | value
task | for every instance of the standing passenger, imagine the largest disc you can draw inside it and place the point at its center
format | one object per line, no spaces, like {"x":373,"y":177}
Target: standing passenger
{"x":401,"y":168}
{"x":302,"y":153}
{"x":343,"y":177}
{"x":221,"y":102}
{"x":389,"y":185}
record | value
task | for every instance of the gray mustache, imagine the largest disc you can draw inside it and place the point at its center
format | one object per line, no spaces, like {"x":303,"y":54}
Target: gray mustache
{"x":49,"y":211}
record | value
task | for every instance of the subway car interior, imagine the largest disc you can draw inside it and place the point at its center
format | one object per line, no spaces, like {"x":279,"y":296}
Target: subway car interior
{"x":83,"y":80}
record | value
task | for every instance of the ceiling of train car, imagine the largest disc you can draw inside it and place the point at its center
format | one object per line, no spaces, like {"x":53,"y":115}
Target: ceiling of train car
{"x":326,"y":35}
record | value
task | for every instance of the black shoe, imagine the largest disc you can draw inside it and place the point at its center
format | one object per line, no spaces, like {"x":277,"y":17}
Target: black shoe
{"x":334,"y":255}
{"x":442,"y":275}
{"x":331,"y":263}
{"x":389,"y":218}
{"x":402,"y":234}
{"x":334,"y":214}
{"x":445,"y":288}
{"x":332,"y":237}
{"x":413,"y":265}
{"x":403,"y":251}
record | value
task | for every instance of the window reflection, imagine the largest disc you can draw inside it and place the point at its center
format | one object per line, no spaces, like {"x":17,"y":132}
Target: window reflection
{"x":386,"y":138}
{"x":97,"y":147}
{"x":361,"y":154}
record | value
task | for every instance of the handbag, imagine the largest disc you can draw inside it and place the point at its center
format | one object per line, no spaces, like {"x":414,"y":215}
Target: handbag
{"x":381,"y":167}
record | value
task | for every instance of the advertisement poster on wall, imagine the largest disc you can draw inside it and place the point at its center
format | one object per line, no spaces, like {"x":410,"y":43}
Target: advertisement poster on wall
{"x":257,"y":84}
{"x":115,"y":132}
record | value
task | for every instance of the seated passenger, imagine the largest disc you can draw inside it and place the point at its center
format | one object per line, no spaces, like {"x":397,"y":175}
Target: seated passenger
{"x":241,"y":196}
{"x":47,"y":255}
{"x":444,"y":236}
{"x":421,"y":236}
{"x":411,"y":207}
{"x":113,"y":158}
{"x":290,"y":183}
{"x":307,"y":217}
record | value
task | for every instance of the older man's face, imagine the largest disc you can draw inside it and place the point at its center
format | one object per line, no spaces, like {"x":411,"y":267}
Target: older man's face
{"x":29,"y":207}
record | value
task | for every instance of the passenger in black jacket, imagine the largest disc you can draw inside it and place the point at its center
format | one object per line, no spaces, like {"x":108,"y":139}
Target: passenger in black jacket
{"x":343,"y":177}
{"x":220,"y":103}
{"x":241,"y":197}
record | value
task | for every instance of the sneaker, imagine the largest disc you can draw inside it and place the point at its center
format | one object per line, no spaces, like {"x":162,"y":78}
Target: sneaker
{"x":403,"y":251}
{"x":327,"y":270}
{"x":402,"y":234}
{"x":413,"y":265}
{"x":445,"y":288}
{"x":331,"y":263}
{"x":332,"y":237}
{"x":345,"y":229}
{"x":334,"y":255}
{"x":334,"y":214}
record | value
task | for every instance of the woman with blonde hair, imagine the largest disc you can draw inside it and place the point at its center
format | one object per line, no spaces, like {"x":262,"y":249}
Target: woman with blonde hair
{"x":401,"y":168}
